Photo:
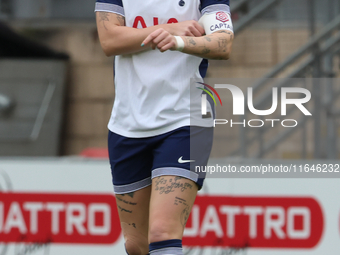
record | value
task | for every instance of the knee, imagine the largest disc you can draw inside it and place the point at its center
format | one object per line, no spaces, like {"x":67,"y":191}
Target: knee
{"x":132,"y":248}
{"x":136,"y":243}
{"x":162,"y":230}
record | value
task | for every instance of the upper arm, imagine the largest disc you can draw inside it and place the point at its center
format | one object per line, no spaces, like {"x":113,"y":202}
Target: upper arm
{"x":209,"y":6}
{"x":109,"y":14}
{"x":107,"y":20}
{"x":215,"y":16}
{"x":106,"y":24}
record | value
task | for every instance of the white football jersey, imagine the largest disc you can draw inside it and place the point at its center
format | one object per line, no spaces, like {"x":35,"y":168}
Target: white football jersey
{"x":154,"y":92}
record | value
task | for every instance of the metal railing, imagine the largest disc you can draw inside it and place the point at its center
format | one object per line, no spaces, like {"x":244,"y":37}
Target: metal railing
{"x":321,"y":48}
{"x":256,"y":12}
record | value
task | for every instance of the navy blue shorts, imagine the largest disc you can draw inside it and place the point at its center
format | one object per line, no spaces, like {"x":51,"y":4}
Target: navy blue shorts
{"x":135,"y":161}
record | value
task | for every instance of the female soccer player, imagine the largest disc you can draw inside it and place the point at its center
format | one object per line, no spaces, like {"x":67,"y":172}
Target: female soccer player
{"x":160,"y":48}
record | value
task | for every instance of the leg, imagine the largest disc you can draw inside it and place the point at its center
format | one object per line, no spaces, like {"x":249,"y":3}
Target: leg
{"x":133,"y":209}
{"x":131,"y":177}
{"x":174,"y":187}
{"x":172,"y":198}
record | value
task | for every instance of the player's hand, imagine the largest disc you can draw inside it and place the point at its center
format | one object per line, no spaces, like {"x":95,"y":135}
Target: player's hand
{"x":161,"y":39}
{"x":186,"y":28}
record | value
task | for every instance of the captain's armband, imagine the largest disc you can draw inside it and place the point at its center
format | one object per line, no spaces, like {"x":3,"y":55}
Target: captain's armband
{"x":213,"y":22}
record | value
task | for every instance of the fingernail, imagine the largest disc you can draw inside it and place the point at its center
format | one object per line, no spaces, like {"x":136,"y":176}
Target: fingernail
{"x":142,"y":44}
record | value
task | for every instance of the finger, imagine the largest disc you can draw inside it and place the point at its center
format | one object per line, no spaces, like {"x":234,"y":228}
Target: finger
{"x":152,"y":36}
{"x":160,"y":37}
{"x":196,"y":32}
{"x":171,"y":45}
{"x":199,"y":28}
{"x":153,"y":45}
{"x":164,"y":42}
{"x":189,"y":33}
{"x":168,"y":46}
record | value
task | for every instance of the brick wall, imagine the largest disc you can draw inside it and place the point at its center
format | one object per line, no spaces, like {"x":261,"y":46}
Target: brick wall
{"x":90,"y":89}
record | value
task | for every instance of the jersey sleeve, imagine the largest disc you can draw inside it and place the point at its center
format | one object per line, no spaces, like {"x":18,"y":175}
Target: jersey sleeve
{"x":212,"y":6}
{"x":114,"y":6}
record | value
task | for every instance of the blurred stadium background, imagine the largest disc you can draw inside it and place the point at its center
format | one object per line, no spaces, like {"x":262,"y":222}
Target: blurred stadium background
{"x":56,"y":88}
{"x":273,"y":39}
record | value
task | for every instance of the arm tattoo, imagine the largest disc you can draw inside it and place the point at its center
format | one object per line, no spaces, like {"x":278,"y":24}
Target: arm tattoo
{"x":222,"y":44}
{"x":104,"y":16}
{"x":223,"y":32}
{"x":192,"y":41}
{"x":121,"y":20}
{"x":205,"y":50}
{"x":211,"y":45}
{"x":226,"y":32}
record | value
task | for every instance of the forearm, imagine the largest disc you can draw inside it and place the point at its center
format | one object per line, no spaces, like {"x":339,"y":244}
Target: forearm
{"x":118,"y":39}
{"x":122,"y":40}
{"x":214,"y":46}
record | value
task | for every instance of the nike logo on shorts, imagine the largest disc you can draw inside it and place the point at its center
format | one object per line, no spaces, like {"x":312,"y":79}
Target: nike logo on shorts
{"x":181,"y":161}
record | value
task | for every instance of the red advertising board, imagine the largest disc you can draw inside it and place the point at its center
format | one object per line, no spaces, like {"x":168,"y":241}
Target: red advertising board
{"x":257,"y":222}
{"x":58,"y":218}
{"x":225,"y":221}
